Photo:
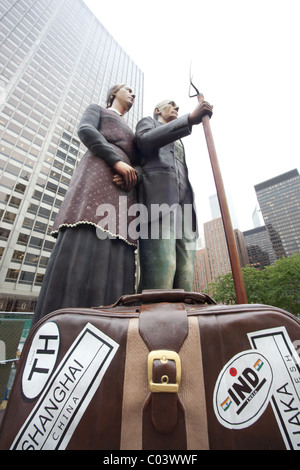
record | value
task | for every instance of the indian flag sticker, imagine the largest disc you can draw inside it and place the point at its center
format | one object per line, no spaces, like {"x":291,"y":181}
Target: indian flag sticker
{"x":258,"y":365}
{"x":226,"y":404}
{"x":243,"y":390}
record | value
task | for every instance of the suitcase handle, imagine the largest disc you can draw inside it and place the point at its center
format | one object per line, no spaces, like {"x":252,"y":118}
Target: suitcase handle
{"x":162,"y":295}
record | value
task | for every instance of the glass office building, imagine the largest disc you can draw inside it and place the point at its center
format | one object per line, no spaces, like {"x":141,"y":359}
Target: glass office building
{"x":279,"y":201}
{"x":56,"y":58}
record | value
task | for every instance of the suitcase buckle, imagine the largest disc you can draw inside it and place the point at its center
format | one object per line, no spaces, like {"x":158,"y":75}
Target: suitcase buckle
{"x":164,"y":356}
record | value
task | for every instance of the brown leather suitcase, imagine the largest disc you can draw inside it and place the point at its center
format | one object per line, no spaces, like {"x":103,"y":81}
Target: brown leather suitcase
{"x":158,"y":371}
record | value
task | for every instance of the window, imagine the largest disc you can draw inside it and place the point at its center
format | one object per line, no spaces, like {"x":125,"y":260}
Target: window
{"x":28,"y":223}
{"x":48,"y":199}
{"x":18,"y":256}
{"x":9,"y":217}
{"x":71,"y":160}
{"x":33,"y":208}
{"x":15,"y":201}
{"x":51,"y":186}
{"x":20,"y":188}
{"x":40,"y":227}
{"x":39,"y":279}
{"x":65,"y":180}
{"x":4,"y":233}
{"x":44,"y":213}
{"x":26,"y":277}
{"x":36,"y":242}
{"x":48,"y":245}
{"x":73,"y":151}
{"x":55,"y":175}
{"x":23,"y":239}
{"x":57,"y":203}
{"x":43,"y":261}
{"x":61,"y":191}
{"x":58,"y":164}
{"x":12,"y":275}
{"x":31,"y":259}
{"x":68,"y":170}
{"x":66,"y":136}
{"x":7,"y":182}
{"x":61,"y":154}
{"x":37,"y":195}
{"x":17,"y":156}
{"x":12,"y":169}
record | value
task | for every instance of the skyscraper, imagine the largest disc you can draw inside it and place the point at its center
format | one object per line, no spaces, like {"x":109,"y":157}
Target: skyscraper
{"x":202,"y":274}
{"x":56,"y":58}
{"x":256,"y":217}
{"x":216,"y":246}
{"x":216,"y":258}
{"x":260,"y":249}
{"x":279,"y":200}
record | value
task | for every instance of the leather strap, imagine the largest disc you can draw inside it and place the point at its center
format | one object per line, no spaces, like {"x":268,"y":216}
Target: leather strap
{"x":164,"y":326}
{"x":192,"y":390}
{"x":135,"y":390}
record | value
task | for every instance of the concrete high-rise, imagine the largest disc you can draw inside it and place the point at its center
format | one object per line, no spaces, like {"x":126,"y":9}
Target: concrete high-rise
{"x":202,"y":275}
{"x":56,"y":58}
{"x":216,"y":246}
{"x":279,"y":200}
{"x":213,"y":260}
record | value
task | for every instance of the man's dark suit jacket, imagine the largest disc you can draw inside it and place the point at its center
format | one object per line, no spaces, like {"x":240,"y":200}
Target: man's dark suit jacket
{"x":155,"y":144}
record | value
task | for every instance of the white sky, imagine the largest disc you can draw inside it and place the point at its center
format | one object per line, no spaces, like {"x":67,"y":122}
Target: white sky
{"x":245,"y":60}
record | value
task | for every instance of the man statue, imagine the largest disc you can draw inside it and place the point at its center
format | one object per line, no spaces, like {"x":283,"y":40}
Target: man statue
{"x":167,"y":248}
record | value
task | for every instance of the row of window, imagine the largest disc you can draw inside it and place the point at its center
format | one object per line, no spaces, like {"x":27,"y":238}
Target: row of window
{"x":23,"y":10}
{"x":27,"y":240}
{"x":61,"y":173}
{"x":19,"y":149}
{"x":29,"y":258}
{"x":9,"y":218}
{"x":24,"y":277}
{"x":21,"y":188}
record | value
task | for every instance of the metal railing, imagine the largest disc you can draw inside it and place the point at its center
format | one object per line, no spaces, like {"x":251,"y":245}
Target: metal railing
{"x":14,"y":329}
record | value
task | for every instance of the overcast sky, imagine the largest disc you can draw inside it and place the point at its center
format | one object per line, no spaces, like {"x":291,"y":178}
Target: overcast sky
{"x":245,"y":60}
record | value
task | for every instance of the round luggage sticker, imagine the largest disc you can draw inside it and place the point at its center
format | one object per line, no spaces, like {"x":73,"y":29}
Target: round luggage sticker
{"x":41,"y":359}
{"x":243,"y":390}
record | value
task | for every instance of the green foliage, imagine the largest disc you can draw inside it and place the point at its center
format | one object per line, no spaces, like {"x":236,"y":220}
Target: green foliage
{"x":277,"y":285}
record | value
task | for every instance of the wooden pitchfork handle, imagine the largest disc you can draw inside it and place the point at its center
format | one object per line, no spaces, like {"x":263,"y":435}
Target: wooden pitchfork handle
{"x":231,"y":245}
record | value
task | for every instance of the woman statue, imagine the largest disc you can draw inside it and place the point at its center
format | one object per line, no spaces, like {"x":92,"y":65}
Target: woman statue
{"x":90,"y":265}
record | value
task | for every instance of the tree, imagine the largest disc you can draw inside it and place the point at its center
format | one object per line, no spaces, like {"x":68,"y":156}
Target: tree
{"x":284,"y":283}
{"x":223,"y":289}
{"x":277,"y":285}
